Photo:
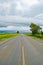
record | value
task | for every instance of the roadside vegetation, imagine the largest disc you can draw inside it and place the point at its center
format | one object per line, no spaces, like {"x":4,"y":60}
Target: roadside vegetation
{"x":40,"y":36}
{"x":36,"y":31}
{"x":6,"y":36}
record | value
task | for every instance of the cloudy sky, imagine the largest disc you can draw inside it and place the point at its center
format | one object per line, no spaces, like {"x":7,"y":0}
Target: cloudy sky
{"x":18,"y":14}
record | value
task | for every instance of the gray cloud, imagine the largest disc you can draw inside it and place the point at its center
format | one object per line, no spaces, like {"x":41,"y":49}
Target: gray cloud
{"x":25,"y":11}
{"x":25,"y":14}
{"x":34,"y":10}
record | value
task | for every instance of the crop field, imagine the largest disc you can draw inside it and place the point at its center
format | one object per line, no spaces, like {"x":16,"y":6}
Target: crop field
{"x":6,"y":36}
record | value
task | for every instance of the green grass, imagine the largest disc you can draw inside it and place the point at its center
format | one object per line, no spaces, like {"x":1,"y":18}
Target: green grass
{"x":6,"y":36}
{"x":36,"y":35}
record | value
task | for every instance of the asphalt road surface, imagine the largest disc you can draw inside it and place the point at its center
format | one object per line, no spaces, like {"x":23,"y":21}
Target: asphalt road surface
{"x":21,"y":50}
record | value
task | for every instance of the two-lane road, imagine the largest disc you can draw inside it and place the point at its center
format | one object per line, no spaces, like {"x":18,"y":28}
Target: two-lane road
{"x":21,"y":50}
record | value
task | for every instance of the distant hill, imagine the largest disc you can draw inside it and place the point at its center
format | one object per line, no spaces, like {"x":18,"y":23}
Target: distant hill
{"x":7,"y":31}
{"x":12,"y":31}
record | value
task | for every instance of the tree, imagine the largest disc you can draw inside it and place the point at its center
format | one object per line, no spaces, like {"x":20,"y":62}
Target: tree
{"x":35,"y":28}
{"x":41,"y":32}
{"x":17,"y":31}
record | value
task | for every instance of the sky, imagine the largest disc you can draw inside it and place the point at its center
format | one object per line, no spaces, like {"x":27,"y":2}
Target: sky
{"x":19,"y":14}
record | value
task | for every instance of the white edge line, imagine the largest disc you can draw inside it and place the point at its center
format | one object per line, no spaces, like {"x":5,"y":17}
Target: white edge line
{"x":23,"y":55}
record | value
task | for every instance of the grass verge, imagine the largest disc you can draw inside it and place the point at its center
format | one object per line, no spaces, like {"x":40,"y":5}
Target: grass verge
{"x":6,"y":36}
{"x":40,"y":36}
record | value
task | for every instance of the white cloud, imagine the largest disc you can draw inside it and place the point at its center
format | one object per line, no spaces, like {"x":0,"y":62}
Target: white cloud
{"x":4,"y":8}
{"x":39,"y":16}
{"x":23,"y":5}
{"x":22,"y":28}
{"x":19,"y":6}
{"x":29,"y":2}
{"x":21,"y":11}
{"x":11,"y":20}
{"x":4,"y":5}
{"x":14,"y":19}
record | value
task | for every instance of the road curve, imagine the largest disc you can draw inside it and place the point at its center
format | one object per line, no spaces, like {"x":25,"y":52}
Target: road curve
{"x":22,"y":50}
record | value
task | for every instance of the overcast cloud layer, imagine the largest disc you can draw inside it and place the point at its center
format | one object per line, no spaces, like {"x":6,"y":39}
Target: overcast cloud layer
{"x":21,"y":13}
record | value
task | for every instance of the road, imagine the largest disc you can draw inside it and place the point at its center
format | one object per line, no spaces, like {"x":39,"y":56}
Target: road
{"x":21,"y":50}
